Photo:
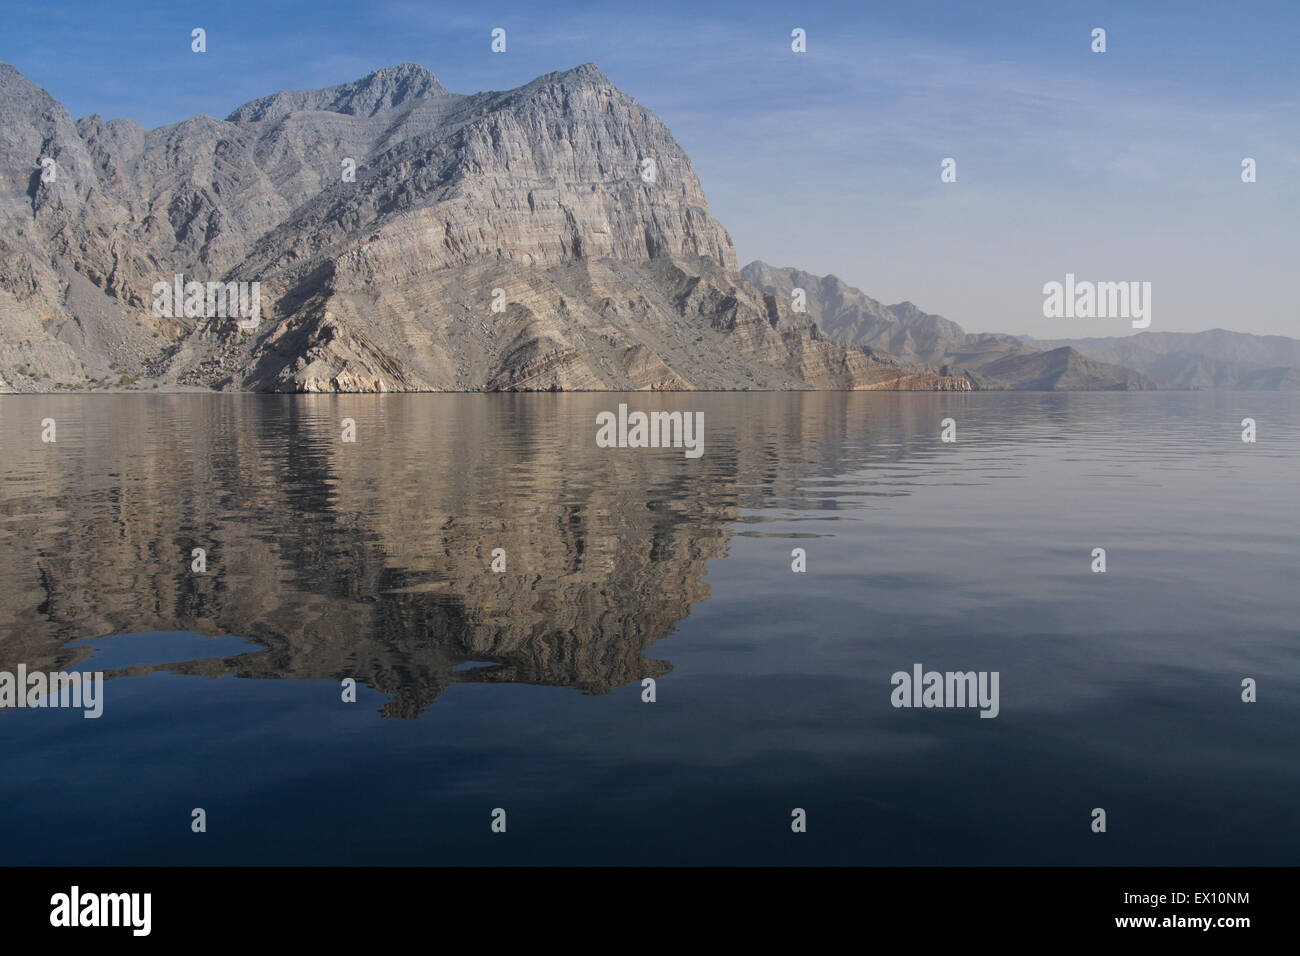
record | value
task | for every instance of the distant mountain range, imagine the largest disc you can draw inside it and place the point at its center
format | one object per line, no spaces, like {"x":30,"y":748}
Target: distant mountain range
{"x":1214,"y":359}
{"x":850,"y":316}
{"x":400,"y":237}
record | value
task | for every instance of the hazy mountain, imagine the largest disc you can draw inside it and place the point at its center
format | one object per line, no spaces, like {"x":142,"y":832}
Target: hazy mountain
{"x":851,"y":317}
{"x":1214,"y":359}
{"x":1063,"y":369}
{"x":533,"y":200}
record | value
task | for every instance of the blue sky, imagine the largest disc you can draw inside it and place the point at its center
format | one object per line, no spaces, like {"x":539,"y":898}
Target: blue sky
{"x":1116,"y":166}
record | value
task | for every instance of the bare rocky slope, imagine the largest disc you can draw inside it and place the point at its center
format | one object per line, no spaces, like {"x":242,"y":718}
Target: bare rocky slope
{"x":502,"y":240}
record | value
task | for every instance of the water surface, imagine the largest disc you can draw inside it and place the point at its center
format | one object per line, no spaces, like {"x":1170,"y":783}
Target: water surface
{"x":522,"y":690}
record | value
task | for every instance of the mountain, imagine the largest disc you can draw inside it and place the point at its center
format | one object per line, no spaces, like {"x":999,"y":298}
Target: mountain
{"x":1214,"y":359}
{"x":1062,"y":369}
{"x":500,"y":240}
{"x":851,"y":317}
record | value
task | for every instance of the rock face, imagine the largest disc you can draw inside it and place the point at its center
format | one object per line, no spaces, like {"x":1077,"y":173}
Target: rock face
{"x":553,"y":236}
{"x":904,"y":332}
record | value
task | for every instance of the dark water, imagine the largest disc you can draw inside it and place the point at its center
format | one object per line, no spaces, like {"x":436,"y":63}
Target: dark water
{"x":522,"y":690}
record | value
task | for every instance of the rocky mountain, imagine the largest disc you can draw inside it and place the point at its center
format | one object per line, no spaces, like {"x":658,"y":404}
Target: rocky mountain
{"x":401,"y":237}
{"x":851,"y":317}
{"x":1214,"y":359}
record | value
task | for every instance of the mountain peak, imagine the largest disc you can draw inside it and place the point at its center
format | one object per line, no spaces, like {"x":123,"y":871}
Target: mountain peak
{"x":588,"y":74}
{"x":17,"y":87}
{"x":376,"y":92}
{"x":589,"y":71}
{"x":409,"y":76}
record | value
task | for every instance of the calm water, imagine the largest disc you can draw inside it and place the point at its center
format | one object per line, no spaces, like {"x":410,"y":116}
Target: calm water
{"x":522,"y":690}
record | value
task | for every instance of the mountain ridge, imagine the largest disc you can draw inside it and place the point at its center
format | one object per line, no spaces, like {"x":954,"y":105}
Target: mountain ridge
{"x":907,"y":333}
{"x":402,"y":237}
{"x":405,"y":237}
{"x":1215,"y":358}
